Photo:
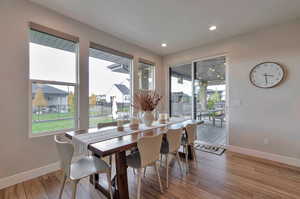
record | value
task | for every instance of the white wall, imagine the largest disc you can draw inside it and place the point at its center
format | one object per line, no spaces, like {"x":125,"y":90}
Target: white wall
{"x":263,"y":113}
{"x":18,"y":152}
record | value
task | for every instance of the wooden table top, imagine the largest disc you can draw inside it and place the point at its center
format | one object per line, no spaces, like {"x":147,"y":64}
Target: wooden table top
{"x":126,"y":142}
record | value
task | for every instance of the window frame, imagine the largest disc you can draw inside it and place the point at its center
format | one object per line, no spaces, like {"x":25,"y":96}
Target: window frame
{"x":76,"y":85}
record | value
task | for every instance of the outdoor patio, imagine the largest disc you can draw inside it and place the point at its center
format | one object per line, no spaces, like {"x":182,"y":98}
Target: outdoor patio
{"x":215,"y":135}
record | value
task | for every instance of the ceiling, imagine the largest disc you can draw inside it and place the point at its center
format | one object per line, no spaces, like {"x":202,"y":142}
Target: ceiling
{"x":182,"y":24}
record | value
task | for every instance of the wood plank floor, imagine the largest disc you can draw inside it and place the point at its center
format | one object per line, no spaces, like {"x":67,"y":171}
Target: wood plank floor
{"x":211,"y":177}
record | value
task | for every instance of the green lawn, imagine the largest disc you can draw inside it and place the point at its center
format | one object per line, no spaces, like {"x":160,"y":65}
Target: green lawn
{"x":51,"y":116}
{"x":95,"y":120}
{"x":39,"y":127}
{"x":54,"y":116}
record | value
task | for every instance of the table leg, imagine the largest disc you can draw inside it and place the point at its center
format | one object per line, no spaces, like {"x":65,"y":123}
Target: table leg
{"x":121,"y":170}
{"x":94,"y":178}
{"x":190,"y":156}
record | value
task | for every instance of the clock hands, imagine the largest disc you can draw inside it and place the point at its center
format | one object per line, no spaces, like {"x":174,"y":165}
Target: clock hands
{"x":266,"y":77}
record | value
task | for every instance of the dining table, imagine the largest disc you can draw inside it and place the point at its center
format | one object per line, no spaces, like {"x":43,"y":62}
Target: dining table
{"x":117,"y":143}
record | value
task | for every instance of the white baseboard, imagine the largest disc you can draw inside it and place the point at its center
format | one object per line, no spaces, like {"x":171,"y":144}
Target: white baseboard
{"x":34,"y":173}
{"x":28,"y":175}
{"x":264,"y":155}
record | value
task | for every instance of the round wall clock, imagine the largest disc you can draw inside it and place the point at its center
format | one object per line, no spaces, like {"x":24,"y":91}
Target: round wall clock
{"x":267,"y":75}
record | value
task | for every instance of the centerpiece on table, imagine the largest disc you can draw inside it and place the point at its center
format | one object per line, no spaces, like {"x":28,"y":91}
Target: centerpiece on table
{"x":146,"y":102}
{"x":134,"y":123}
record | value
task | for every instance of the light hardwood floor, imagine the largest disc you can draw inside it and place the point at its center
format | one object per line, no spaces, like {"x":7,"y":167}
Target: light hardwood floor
{"x":213,"y":177}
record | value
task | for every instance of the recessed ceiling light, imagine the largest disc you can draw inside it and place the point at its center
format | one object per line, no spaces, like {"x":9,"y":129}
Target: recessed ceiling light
{"x":211,"y":28}
{"x":163,"y":45}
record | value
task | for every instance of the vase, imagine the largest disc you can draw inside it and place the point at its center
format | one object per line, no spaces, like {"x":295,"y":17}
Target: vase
{"x":148,"y":118}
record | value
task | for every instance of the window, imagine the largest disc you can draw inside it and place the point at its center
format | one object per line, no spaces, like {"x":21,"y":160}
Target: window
{"x":53,"y":79}
{"x":146,"y":71}
{"x":109,"y":85}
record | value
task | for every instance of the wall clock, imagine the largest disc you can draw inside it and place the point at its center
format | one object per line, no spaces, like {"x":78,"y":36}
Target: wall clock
{"x":267,"y":75}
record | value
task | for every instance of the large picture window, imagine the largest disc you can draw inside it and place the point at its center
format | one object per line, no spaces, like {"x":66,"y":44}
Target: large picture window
{"x":146,"y":74}
{"x":53,"y":81}
{"x":109,"y":85}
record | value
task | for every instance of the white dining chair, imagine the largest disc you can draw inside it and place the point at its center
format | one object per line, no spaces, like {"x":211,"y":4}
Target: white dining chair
{"x":147,"y":155}
{"x":170,"y":146}
{"x":188,"y":141}
{"x":82,"y":168}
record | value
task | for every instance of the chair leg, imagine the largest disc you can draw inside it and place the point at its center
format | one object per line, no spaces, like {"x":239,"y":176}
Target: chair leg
{"x":145,"y":171}
{"x":74,"y":189}
{"x":178,"y":160}
{"x":110,"y":160}
{"x":108,"y":174}
{"x":167,"y":169}
{"x":62,"y":186}
{"x":186,"y":158}
{"x":158,"y":177}
{"x":194,"y":154}
{"x":139,"y":183}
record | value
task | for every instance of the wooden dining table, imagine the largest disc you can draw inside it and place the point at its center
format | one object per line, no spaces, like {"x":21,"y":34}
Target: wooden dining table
{"x":118,"y":146}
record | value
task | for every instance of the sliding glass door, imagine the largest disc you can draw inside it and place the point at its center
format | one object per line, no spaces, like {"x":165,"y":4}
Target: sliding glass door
{"x":180,"y":90}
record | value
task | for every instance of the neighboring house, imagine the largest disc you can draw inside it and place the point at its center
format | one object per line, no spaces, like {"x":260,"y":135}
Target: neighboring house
{"x":125,"y":92}
{"x":121,"y":92}
{"x":101,"y":99}
{"x":57,"y":99}
{"x":179,"y":97}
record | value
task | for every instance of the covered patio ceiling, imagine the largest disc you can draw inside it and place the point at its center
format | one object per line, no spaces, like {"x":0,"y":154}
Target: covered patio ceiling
{"x":210,"y":70}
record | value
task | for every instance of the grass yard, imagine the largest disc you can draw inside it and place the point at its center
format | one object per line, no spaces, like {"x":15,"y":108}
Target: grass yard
{"x":39,"y":127}
{"x":54,"y":116}
{"x":51,"y":116}
{"x":56,"y":125}
{"x":95,"y":120}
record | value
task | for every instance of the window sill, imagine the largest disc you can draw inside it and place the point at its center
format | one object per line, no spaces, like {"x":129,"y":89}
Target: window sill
{"x":32,"y":135}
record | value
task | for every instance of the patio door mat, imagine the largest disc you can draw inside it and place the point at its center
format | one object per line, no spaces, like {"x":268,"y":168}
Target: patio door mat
{"x":218,"y":150}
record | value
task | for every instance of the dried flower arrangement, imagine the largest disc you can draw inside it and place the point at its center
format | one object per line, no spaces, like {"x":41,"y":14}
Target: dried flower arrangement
{"x":146,"y":100}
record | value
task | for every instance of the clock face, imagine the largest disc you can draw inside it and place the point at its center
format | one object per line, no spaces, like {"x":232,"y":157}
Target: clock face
{"x":266,"y":75}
